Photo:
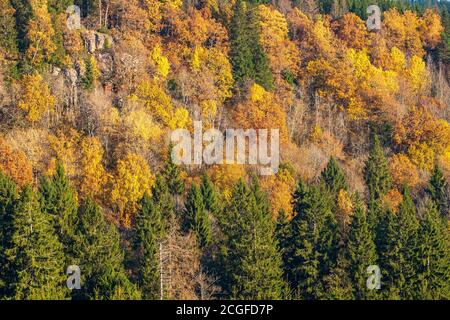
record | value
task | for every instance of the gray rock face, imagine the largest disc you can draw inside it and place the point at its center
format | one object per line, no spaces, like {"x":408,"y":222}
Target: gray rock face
{"x":71,"y":76}
{"x":95,"y":41}
{"x":105,"y":64}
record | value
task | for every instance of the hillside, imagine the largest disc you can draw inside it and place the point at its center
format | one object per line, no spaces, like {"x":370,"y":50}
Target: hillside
{"x":92,"y":93}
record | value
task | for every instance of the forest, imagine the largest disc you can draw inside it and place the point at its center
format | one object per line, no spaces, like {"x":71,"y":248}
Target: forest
{"x":91,"y":90}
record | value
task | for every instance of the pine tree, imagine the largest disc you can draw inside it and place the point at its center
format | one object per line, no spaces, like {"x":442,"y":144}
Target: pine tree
{"x":165,"y":201}
{"x":172,"y":176}
{"x":253,"y":261}
{"x":283,"y":236}
{"x":89,"y":74}
{"x":210,"y":196}
{"x":8,"y":197}
{"x":398,"y":257}
{"x":333,"y":177}
{"x":437,"y":190}
{"x":37,"y":255}
{"x":98,"y":253}
{"x":433,"y":254}
{"x":23,"y":13}
{"x":241,"y":51}
{"x":196,"y":217}
{"x":360,"y":253}
{"x":337,"y":283}
{"x":149,"y":231}
{"x":377,"y":175}
{"x":8,"y":35}
{"x":248,"y":58}
{"x":58,"y":199}
{"x":263,"y":74}
{"x":315,"y":239}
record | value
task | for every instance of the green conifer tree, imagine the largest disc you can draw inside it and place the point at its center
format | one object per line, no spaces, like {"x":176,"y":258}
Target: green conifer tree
{"x":377,"y":175}
{"x":165,"y":201}
{"x":315,"y":239}
{"x":433,"y":254}
{"x":8,"y":35}
{"x":172,"y":176}
{"x":8,"y":198}
{"x":59,"y":200}
{"x":196,"y":217}
{"x":437,"y":190}
{"x":241,"y":50}
{"x":284,"y":237}
{"x":149,"y":231}
{"x":248,"y":58}
{"x":360,"y":253}
{"x":338,"y":285}
{"x":398,"y":258}
{"x":333,"y":177}
{"x":37,"y":255}
{"x":89,"y":74}
{"x":210,"y":196}
{"x":253,"y":261}
{"x":98,"y":253}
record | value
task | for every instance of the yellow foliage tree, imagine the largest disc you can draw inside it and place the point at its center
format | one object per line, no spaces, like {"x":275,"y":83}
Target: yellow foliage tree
{"x":40,"y":33}
{"x":392,"y":199}
{"x":404,"y":172}
{"x":403,"y":31}
{"x":431,"y":28}
{"x":344,"y":209}
{"x":142,"y":125}
{"x":132,"y":179}
{"x":261,"y":111}
{"x":352,"y":30}
{"x":15,"y":164}
{"x":422,"y":156}
{"x":281,"y":51}
{"x":155,"y":99}
{"x":160,"y":62}
{"x":93,"y":176}
{"x":36,"y":98}
{"x":225,"y":177}
{"x":65,"y":148}
{"x":284,"y":184}
{"x":417,"y":75}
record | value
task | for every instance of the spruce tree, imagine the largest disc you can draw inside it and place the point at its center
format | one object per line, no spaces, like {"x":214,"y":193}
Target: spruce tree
{"x":210,"y":196}
{"x":89,"y":76}
{"x":149,"y":230}
{"x":22,"y":15}
{"x":98,"y":253}
{"x":398,"y":256}
{"x":8,"y":197}
{"x":253,"y":261}
{"x":59,"y":201}
{"x":196,"y":217}
{"x":248,"y":58}
{"x":284,"y":237}
{"x":8,"y":35}
{"x":377,"y":175}
{"x":315,"y":239}
{"x":433,"y":256}
{"x":360,"y":254}
{"x":338,"y":285}
{"x":36,"y":255}
{"x":241,"y":50}
{"x":163,"y":199}
{"x":437,"y":190}
{"x":263,"y":74}
{"x":172,"y":176}
{"x":333,"y":177}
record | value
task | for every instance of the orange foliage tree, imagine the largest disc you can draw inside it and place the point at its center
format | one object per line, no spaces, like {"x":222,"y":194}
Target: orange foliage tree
{"x":15,"y":164}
